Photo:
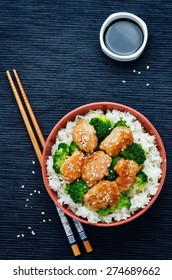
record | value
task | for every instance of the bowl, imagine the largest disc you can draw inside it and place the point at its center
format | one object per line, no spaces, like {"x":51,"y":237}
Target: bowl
{"x":125,"y":37}
{"x":82,"y":111}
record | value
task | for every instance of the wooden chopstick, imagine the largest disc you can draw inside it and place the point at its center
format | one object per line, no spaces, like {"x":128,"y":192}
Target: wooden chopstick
{"x":78,"y":225}
{"x":25,"y":119}
{"x":62,"y":215}
{"x":73,"y":244}
{"x":30,"y":111}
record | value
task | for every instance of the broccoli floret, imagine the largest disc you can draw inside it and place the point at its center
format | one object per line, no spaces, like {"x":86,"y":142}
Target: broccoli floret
{"x":112,"y":173}
{"x":76,"y":190}
{"x":124,"y":201}
{"x":141,"y":181}
{"x":60,"y":156}
{"x":135,"y":152}
{"x":120,"y":123}
{"x":105,"y":212}
{"x":72,"y":147}
{"x":102,"y":125}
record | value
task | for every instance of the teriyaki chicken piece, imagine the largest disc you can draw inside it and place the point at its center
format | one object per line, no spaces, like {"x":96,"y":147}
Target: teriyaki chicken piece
{"x":118,"y":140}
{"x":95,"y":167}
{"x":84,"y":135}
{"x":127,"y":170}
{"x":71,"y":169}
{"x":103,"y":194}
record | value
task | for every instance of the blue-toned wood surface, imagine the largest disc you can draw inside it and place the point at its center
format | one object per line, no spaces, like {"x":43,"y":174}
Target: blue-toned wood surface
{"x":54,"y":46}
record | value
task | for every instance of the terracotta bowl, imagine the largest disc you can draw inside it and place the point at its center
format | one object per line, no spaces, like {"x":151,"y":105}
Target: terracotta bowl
{"x":82,"y":111}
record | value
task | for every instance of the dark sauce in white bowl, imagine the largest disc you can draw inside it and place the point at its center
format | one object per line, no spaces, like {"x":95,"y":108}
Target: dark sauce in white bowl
{"x":123,"y":37}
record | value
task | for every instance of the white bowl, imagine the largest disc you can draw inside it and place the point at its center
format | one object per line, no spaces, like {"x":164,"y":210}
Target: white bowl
{"x":108,"y":22}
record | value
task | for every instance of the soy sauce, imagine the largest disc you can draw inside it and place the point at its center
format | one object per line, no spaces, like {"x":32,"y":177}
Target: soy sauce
{"x":123,"y":37}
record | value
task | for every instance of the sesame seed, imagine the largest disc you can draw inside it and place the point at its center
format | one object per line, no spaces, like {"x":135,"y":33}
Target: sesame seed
{"x":33,"y":161}
{"x":43,"y":213}
{"x":139,"y":72}
{"x":147,"y":84}
{"x":33,"y":172}
{"x":70,"y":166}
{"x":18,"y":235}
{"x":123,"y":81}
{"x":22,"y":186}
{"x":147,"y":67}
{"x":33,"y":233}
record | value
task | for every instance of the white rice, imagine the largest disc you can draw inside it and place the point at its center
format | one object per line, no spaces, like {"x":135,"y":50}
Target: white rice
{"x":152,"y":167}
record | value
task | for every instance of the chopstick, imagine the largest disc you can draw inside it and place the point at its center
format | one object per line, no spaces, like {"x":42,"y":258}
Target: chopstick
{"x":38,"y":152}
{"x":65,"y":223}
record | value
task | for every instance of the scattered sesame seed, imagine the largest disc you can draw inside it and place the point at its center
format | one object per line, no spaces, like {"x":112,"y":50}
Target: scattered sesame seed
{"x":148,"y":67}
{"x":34,"y":191}
{"x":25,"y":205}
{"x":22,"y":186}
{"x":134,"y":71}
{"x":147,"y":84}
{"x":33,"y":233}
{"x":27,"y":199}
{"x":33,"y":161}
{"x":29,"y":227}
{"x":139,"y":72}
{"x":49,"y":220}
{"x":39,"y":192}
{"x":43,"y":221}
{"x":124,"y":81}
{"x":22,"y":235}
{"x":33,"y":172}
{"x":43,"y":213}
{"x":31,"y":194}
{"x":18,"y":235}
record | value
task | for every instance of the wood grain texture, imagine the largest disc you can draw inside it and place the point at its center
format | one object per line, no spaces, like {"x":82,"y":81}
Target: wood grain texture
{"x":54,"y":46}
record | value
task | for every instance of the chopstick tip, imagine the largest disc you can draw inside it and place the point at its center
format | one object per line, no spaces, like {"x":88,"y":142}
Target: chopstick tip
{"x":88,"y":246}
{"x":75,"y":250}
{"x":8,"y":74}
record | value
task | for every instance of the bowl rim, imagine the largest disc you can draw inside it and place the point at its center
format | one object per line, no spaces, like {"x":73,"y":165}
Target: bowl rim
{"x":122,"y":15}
{"x":95,"y":106}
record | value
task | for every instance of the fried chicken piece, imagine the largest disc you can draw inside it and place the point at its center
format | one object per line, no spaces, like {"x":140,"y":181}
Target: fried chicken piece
{"x":71,"y":169}
{"x":101,"y":195}
{"x":126,"y":167}
{"x":118,"y":140}
{"x":127,"y":170}
{"x":84,"y":135}
{"x":95,"y":167}
{"x":124,"y":183}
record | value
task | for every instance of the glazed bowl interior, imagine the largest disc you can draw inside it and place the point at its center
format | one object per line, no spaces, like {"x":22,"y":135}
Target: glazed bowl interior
{"x":82,"y":111}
